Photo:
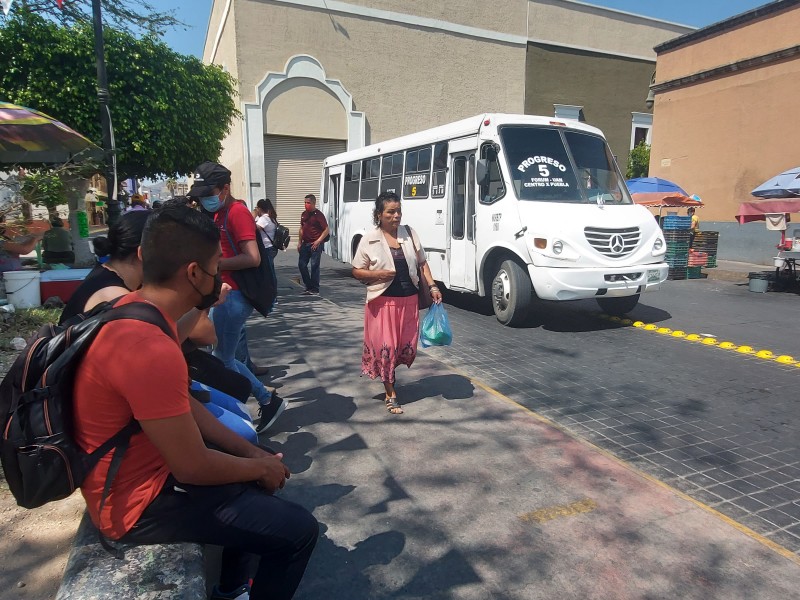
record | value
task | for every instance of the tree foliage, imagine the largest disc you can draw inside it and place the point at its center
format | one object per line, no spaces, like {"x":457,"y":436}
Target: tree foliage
{"x":170,"y":112}
{"x":129,"y":15}
{"x":638,"y":161}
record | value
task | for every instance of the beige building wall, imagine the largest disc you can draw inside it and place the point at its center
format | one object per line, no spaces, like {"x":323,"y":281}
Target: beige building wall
{"x":403,"y":77}
{"x":579,"y":25}
{"x":400,"y":66}
{"x":506,"y":16}
{"x":287,"y":113}
{"x":221,"y":49}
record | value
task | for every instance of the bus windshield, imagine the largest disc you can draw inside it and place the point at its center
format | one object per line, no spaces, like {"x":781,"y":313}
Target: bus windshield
{"x":555,"y":165}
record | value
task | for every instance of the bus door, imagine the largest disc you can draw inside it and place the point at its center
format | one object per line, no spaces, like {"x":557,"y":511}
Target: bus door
{"x":462,"y":222}
{"x":332,"y":196}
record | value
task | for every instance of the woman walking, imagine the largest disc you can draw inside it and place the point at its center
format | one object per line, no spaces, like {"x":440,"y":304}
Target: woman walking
{"x":389,"y":261}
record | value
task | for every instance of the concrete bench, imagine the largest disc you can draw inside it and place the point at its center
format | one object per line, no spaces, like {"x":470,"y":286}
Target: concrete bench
{"x":154,"y":572}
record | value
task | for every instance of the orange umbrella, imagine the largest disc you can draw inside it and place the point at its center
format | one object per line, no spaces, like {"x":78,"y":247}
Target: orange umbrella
{"x":664,"y":199}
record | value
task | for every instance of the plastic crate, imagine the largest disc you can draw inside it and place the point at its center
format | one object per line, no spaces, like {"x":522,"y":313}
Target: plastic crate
{"x":676,"y":273}
{"x":674,"y":222}
{"x":693,"y":272}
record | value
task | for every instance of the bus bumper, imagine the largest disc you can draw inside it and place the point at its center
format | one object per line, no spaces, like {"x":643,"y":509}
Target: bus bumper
{"x":579,"y":283}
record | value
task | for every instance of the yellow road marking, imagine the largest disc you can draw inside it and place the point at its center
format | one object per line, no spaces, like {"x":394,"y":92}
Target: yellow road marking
{"x":783,"y":359}
{"x":560,"y":510}
{"x":777,"y":548}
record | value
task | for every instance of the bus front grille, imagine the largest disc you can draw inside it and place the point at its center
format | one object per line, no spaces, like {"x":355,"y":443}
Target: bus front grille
{"x":614,"y":243}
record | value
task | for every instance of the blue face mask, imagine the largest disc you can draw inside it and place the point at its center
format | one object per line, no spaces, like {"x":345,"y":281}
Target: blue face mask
{"x":211,"y":203}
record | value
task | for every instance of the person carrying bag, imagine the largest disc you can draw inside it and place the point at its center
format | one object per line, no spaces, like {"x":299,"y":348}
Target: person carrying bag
{"x":390,"y":262}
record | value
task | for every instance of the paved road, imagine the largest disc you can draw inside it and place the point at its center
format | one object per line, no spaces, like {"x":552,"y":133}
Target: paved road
{"x":718,"y":425}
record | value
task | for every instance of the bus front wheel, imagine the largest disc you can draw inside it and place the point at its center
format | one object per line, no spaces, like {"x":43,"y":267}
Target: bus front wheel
{"x":618,"y":306}
{"x":511,"y":293}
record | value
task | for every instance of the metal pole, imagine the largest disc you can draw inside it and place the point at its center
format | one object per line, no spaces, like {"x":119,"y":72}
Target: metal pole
{"x":103,"y":96}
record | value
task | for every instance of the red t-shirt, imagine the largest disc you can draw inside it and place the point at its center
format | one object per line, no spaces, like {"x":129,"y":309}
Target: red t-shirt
{"x":312,"y":224}
{"x":241,"y":227}
{"x":131,"y":369}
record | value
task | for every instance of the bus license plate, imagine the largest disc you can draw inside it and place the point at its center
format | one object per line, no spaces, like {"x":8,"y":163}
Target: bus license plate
{"x":652,"y":276}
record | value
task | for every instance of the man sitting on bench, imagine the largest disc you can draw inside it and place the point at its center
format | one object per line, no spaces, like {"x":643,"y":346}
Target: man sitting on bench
{"x":172,"y":484}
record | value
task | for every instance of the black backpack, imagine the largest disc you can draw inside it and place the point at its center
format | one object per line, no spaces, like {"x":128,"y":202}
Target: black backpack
{"x":41,"y":460}
{"x":282,"y":238}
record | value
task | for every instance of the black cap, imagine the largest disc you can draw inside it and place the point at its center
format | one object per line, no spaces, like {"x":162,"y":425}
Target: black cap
{"x":208,"y":176}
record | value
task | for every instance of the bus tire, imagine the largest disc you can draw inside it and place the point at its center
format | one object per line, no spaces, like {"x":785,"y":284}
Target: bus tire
{"x":618,"y":306}
{"x":511,"y":293}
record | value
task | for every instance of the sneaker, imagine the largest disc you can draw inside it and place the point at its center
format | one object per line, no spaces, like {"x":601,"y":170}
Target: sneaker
{"x":307,"y":293}
{"x":240,"y":593}
{"x":268,"y":413}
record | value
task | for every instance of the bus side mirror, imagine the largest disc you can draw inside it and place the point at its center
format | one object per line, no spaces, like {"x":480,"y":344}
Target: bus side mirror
{"x":482,"y":171}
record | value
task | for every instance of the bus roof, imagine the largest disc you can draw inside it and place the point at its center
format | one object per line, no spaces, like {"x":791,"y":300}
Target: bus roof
{"x":455,"y":130}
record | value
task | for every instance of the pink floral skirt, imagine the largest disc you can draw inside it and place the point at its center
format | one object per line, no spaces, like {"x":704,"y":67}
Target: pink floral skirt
{"x":391,"y":332}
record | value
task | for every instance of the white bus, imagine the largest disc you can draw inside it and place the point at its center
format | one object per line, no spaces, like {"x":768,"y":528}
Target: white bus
{"x":510,"y":206}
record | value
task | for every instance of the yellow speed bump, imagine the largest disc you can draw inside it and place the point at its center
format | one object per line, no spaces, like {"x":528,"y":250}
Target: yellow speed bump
{"x":727,"y":345}
{"x":678,"y":334}
{"x":693,"y":337}
{"x":626,"y":322}
{"x":745,"y":350}
{"x":710,"y":341}
{"x":765,"y":354}
{"x":785,"y":359}
{"x":638,"y":324}
{"x":664,"y":330}
{"x":650,"y":327}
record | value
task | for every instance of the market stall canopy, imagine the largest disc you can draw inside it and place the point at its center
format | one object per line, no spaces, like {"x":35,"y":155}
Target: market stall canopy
{"x":29,"y":137}
{"x":644,"y":185}
{"x":663,"y":199}
{"x":783,"y":185}
{"x":758,"y":211}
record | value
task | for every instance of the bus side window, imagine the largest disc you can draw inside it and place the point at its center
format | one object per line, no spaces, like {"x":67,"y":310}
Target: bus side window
{"x":352,"y":172}
{"x":492,"y":187}
{"x":439,"y":178}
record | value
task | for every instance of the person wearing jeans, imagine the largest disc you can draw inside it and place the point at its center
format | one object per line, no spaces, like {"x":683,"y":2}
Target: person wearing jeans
{"x":212,"y":187}
{"x":184,"y":477}
{"x":229,"y":318}
{"x":313,"y":233}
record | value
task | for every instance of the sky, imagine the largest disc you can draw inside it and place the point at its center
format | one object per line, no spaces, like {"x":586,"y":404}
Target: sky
{"x":697,"y":13}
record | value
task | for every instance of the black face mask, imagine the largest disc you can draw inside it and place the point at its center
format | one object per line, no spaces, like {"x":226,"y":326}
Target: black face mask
{"x":210,"y":299}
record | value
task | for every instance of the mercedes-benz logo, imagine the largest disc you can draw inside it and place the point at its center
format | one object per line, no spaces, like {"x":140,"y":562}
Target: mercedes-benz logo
{"x":616,"y":243}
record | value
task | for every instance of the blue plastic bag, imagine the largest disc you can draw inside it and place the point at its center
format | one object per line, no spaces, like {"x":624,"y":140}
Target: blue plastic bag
{"x":435,"y":328}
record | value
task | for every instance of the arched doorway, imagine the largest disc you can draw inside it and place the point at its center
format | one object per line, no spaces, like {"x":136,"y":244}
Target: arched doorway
{"x":302,"y":118}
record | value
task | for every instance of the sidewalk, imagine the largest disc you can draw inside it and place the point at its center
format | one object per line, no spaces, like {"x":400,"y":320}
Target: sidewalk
{"x":468,"y":495}
{"x":729,"y":270}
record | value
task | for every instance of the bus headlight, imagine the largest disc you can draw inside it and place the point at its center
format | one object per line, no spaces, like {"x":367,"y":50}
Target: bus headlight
{"x":558,"y":247}
{"x":658,"y":245}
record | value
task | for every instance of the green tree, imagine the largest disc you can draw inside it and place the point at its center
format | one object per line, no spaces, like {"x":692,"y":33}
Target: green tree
{"x":130,"y":15}
{"x":170,"y":112}
{"x":44,"y":188}
{"x":171,"y":183}
{"x":638,"y":161}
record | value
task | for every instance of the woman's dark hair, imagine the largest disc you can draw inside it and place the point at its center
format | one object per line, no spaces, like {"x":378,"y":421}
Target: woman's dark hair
{"x":380,"y":204}
{"x":124,"y":238}
{"x":265,"y":204}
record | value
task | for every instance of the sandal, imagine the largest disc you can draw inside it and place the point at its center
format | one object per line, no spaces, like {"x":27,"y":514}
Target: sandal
{"x":393,"y":406}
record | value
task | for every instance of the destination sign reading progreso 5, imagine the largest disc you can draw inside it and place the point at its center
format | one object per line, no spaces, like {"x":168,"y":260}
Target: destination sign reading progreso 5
{"x":415,"y":185}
